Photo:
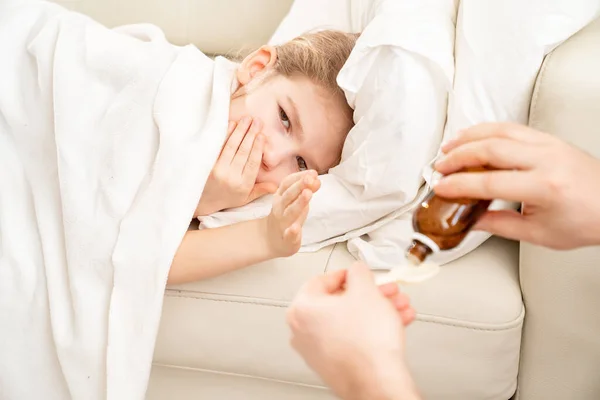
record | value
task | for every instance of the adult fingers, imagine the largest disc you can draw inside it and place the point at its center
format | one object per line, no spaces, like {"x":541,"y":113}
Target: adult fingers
{"x":503,"y":130}
{"x":389,"y":289}
{"x":241,"y":157}
{"x":510,"y":224}
{"x":360,"y":277}
{"x":408,"y":316}
{"x":333,"y":282}
{"x":328,"y":283}
{"x":234,"y":141}
{"x":516,"y":186}
{"x":401,"y":301}
{"x":497,"y":153}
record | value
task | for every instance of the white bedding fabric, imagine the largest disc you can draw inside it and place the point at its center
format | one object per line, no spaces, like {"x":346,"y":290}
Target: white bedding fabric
{"x":421,"y":71}
{"x":106,"y":141}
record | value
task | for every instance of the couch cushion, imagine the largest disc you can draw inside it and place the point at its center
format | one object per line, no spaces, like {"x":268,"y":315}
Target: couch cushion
{"x":464,"y":344}
{"x":177,"y":384}
{"x":466,"y":340}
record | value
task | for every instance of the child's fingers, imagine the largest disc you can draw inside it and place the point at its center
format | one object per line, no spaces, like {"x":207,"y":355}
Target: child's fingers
{"x":261,"y":189}
{"x":234,"y":141}
{"x":292,"y":234}
{"x":293,"y":178}
{"x":295,"y":210}
{"x":303,"y":215}
{"x":231,"y":127}
{"x":242,"y":155}
{"x":252,"y":167}
{"x":292,"y":193}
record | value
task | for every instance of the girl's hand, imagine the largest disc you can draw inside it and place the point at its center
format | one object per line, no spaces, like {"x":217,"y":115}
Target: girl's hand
{"x":232,"y":182}
{"x":290,"y":209}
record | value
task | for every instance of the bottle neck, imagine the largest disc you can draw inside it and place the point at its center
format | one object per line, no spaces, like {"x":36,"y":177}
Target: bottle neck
{"x":418,"y":252}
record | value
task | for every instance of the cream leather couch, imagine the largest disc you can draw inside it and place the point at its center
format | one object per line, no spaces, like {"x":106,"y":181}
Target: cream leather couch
{"x":226,"y":338}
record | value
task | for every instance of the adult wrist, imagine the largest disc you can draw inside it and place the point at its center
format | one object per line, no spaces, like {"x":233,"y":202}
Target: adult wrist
{"x":596,"y":226}
{"x":384,"y":381}
{"x":396,"y":386}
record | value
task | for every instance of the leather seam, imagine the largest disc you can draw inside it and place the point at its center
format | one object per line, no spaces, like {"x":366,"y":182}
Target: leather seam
{"x":426,"y":318}
{"x":239,"y":375}
{"x":537,"y":89}
{"x":255,"y":302}
{"x":514,"y":324}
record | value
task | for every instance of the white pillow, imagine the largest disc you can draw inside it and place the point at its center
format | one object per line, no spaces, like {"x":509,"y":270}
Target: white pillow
{"x":500,"y":47}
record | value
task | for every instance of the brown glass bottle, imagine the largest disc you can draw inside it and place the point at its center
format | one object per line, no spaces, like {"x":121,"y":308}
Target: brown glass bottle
{"x":442,"y":224}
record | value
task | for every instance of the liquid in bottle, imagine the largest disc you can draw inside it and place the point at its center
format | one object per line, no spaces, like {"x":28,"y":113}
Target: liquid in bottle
{"x":442,"y":224}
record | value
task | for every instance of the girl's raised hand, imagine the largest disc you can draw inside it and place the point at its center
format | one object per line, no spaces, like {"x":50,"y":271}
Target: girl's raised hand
{"x":290,"y":209}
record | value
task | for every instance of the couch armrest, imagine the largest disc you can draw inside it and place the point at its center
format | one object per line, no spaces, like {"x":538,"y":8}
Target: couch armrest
{"x":560,"y":356}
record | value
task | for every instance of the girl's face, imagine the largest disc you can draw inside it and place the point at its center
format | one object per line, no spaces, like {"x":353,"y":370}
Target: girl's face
{"x":304,"y":125}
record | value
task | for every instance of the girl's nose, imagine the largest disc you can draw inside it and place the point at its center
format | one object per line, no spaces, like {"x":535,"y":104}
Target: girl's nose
{"x":276,"y":151}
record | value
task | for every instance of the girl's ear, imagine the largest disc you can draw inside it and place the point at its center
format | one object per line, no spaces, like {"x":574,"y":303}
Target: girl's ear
{"x":256,"y":63}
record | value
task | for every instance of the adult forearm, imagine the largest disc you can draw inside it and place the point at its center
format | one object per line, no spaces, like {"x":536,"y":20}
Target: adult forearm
{"x":379,"y":378}
{"x":210,"y":252}
{"x":397,"y":387}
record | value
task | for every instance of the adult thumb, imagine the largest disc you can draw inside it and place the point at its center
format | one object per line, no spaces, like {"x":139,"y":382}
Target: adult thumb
{"x":509,"y":224}
{"x":359,"y":277}
{"x":261,"y":189}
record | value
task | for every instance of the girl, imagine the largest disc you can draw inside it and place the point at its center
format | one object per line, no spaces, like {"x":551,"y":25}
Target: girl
{"x":289,"y":120}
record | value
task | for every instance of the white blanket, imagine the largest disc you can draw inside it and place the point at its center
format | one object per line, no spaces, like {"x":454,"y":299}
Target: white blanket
{"x":106,"y":141}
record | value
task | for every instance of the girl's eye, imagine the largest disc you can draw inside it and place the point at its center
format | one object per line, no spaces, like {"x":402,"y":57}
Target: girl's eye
{"x":284,"y":118}
{"x":301,"y":163}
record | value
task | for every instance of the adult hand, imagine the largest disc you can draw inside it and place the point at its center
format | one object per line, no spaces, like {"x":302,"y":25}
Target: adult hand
{"x":558,"y":184}
{"x":232,"y":182}
{"x":289,"y":212}
{"x":351,"y":332}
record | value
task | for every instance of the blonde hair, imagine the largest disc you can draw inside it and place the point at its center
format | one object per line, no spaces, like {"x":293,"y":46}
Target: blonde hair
{"x":318,"y":56}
